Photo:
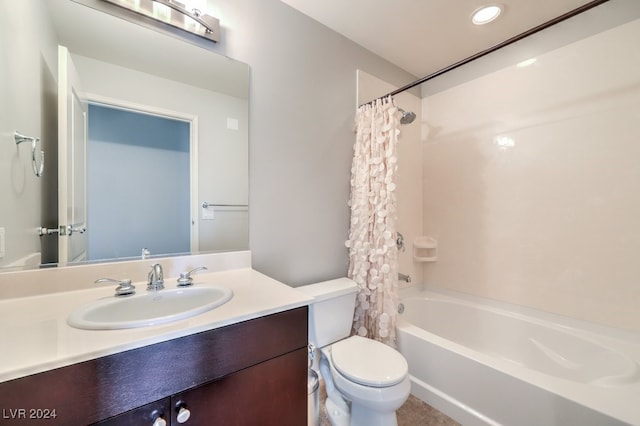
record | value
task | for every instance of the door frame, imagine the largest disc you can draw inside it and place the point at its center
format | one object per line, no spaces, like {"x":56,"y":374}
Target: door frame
{"x":93,"y":98}
{"x":72,"y":128}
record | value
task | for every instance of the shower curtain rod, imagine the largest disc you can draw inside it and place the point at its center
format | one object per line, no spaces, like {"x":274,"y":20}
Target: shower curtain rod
{"x":493,"y":48}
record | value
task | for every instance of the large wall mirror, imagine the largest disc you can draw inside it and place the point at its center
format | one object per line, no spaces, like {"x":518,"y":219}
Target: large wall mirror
{"x":144,"y":133}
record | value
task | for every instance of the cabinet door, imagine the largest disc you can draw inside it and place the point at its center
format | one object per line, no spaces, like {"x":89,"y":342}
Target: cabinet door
{"x":271,"y":393}
{"x":142,"y":416}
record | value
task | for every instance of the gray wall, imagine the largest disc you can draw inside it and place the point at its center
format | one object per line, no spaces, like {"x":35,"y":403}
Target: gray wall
{"x":303,"y":101}
{"x":28,"y":49}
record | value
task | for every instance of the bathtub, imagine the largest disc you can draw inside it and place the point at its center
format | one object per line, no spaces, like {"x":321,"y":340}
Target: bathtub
{"x":488,"y":363}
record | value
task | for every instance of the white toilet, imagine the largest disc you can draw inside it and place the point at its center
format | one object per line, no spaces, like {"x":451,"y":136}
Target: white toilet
{"x":368,"y":375}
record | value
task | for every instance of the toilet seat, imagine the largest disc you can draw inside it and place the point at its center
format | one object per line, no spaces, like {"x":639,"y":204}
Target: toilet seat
{"x":368,"y":362}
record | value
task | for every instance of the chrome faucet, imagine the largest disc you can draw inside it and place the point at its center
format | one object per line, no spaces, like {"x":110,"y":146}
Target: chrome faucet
{"x":404,"y":277}
{"x":145,"y":253}
{"x":156,"y":280}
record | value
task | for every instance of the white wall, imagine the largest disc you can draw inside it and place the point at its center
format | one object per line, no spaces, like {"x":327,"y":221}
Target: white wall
{"x":531,"y":181}
{"x":28,"y":75}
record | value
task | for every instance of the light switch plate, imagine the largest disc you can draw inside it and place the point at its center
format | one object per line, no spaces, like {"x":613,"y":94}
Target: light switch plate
{"x":232,"y":123}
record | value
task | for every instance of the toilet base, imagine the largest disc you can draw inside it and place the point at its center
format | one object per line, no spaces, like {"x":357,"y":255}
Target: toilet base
{"x":365,"y":416}
{"x":337,"y":416}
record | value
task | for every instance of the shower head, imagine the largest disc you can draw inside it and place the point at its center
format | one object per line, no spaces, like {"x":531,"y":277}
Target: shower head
{"x":407,"y":116}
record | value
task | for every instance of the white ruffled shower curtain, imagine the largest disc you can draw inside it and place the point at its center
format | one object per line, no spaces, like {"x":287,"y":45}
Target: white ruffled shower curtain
{"x":373,"y":254}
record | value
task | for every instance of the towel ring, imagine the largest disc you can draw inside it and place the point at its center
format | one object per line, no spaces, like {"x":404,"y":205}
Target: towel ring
{"x":37,"y":168}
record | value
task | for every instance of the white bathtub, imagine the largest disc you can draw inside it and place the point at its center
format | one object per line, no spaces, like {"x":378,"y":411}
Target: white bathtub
{"x":488,"y":363}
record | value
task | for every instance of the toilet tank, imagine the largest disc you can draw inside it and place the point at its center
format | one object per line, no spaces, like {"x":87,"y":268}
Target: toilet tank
{"x":331,"y":312}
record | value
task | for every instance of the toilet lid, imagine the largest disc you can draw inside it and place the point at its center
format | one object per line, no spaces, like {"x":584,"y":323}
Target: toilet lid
{"x":368,"y":362}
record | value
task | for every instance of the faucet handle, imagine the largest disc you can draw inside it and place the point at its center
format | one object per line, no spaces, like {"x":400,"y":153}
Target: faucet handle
{"x":124,"y":288}
{"x":186,"y":279}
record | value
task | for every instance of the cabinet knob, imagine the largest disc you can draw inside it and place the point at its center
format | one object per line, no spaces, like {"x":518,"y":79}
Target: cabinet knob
{"x":159,"y":421}
{"x":183,"y":414}
{"x":156,"y":415}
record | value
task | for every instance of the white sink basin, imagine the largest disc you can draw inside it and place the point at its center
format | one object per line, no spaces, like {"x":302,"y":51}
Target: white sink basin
{"x":148,"y":308}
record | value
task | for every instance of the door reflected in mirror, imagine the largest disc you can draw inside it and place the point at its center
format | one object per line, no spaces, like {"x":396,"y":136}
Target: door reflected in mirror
{"x":130,"y":205}
{"x":131,"y":69}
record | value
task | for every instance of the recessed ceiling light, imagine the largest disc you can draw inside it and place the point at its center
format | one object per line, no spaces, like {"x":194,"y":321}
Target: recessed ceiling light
{"x":486,"y":14}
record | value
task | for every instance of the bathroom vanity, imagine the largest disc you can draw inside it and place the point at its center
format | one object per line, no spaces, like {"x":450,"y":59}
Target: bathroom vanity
{"x":230,"y":375}
{"x":243,"y":361}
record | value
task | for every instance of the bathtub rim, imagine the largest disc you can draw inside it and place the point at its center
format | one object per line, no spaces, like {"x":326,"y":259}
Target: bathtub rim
{"x":618,"y":402}
{"x":579,"y":326}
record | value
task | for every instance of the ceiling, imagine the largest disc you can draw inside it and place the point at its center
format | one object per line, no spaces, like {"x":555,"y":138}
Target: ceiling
{"x":424,"y":36}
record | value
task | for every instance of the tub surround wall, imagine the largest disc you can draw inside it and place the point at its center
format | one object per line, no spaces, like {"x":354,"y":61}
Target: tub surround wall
{"x":530,"y":182}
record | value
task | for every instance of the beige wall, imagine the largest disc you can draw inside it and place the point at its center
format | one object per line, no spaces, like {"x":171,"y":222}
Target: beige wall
{"x":531,"y":181}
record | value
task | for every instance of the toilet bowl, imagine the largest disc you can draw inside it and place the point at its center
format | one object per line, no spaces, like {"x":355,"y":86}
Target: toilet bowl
{"x":366,"y":381}
{"x":375,"y":391}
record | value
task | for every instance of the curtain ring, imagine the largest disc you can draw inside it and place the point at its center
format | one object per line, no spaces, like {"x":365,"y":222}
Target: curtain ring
{"x":37,"y":168}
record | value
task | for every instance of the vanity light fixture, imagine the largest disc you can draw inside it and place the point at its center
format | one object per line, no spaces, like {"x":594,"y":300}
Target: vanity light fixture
{"x":486,"y":14}
{"x":176,"y":14}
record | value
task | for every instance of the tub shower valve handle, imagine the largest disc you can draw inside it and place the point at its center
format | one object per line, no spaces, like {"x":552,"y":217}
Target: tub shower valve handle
{"x":186,"y":279}
{"x":124,"y":288}
{"x":400,"y":241}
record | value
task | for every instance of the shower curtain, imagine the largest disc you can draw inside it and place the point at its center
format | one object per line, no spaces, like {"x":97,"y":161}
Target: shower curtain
{"x":373,"y":255}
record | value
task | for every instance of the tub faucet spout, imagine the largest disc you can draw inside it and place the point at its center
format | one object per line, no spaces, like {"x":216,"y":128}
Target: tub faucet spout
{"x":403,"y":277}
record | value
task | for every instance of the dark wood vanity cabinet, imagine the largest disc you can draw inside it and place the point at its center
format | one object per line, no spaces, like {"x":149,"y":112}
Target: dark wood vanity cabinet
{"x":250,"y":373}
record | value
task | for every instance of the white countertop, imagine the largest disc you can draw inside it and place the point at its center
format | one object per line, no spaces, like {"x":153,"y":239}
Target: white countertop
{"x":35,"y":336}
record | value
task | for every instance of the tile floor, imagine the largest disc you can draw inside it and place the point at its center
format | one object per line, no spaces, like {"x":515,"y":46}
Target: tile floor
{"x":414,"y":412}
